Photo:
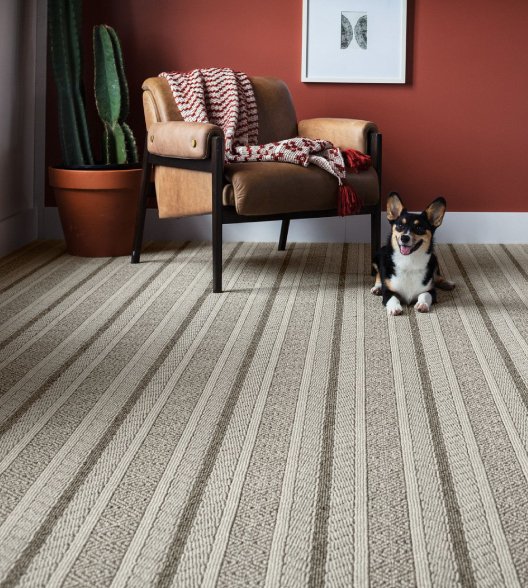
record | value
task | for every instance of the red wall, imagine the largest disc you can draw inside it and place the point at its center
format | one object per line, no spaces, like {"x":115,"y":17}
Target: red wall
{"x":457,"y":128}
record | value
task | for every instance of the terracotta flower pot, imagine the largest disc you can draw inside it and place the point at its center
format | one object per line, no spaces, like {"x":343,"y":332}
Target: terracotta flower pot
{"x":97,"y":209}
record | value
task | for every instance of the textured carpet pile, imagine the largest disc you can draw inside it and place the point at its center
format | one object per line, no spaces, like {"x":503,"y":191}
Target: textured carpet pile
{"x":283,"y":433}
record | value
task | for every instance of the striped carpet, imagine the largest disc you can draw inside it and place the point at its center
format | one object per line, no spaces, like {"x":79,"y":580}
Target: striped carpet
{"x":283,"y":433}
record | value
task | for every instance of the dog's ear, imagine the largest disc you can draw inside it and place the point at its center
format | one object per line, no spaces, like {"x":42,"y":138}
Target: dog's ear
{"x":435,"y":212}
{"x":394,"y":206}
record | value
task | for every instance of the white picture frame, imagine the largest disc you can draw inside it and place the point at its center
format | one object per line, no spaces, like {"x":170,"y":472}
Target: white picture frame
{"x":354,"y":41}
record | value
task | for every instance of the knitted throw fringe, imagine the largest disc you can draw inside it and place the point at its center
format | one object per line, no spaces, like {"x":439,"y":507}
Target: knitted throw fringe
{"x":225,"y":98}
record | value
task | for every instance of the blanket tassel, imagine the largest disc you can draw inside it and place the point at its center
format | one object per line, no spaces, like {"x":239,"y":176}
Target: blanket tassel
{"x":348,"y":202}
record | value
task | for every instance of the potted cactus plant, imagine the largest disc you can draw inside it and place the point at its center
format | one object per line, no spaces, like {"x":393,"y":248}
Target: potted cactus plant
{"x":97,"y":201}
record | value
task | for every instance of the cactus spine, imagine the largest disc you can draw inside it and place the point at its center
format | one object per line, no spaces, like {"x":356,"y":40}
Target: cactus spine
{"x":66,"y":58}
{"x":112,"y":98}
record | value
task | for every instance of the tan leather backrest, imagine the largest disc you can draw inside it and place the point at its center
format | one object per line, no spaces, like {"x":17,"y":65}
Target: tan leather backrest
{"x":277,"y":118}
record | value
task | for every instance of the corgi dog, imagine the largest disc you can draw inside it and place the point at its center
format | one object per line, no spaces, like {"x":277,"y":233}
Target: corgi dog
{"x":406,"y":267}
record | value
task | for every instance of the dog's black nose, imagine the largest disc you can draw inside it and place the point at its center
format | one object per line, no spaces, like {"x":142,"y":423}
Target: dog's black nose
{"x":405,"y":238}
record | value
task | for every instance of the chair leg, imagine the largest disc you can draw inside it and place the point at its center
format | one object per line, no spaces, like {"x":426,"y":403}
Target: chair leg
{"x":284,"y":234}
{"x":142,"y":209}
{"x":217,"y":254}
{"x":217,"y":184}
{"x":375,"y":232}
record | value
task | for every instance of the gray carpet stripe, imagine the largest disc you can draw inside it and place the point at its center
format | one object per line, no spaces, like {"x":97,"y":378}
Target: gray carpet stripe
{"x":175,"y":550}
{"x":24,"y":269}
{"x":52,"y":379}
{"x":24,"y":327}
{"x":320,"y":532}
{"x":506,"y":358}
{"x":181,"y":398}
{"x":14,"y":259}
{"x":454,"y":517}
{"x":515,"y":262}
{"x":284,"y":433}
{"x":61,"y":504}
{"x":250,"y":542}
{"x":390,"y":544}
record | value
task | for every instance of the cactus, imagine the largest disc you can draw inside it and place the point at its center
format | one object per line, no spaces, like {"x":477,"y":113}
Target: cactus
{"x":111,"y":97}
{"x":66,"y":59}
{"x":111,"y":89}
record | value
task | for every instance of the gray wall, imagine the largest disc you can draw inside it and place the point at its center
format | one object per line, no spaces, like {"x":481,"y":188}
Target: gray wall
{"x":21,"y":129}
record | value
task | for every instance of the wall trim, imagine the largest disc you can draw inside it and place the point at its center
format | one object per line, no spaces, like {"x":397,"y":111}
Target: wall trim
{"x":458,"y":227}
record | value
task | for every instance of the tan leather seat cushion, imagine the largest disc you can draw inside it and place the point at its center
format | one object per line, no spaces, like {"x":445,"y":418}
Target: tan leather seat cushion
{"x":257,"y":188}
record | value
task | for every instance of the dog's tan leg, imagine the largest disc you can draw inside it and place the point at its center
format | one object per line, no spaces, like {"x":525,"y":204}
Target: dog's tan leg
{"x":442,"y":283}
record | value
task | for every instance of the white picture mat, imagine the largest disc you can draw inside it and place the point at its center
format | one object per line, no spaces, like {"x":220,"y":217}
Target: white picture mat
{"x":382,"y":62}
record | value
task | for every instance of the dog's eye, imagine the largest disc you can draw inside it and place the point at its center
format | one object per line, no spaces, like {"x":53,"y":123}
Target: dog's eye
{"x":419,"y":230}
{"x":400,"y":227}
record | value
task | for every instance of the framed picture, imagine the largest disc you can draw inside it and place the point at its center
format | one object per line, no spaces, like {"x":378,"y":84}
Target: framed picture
{"x":361,"y":41}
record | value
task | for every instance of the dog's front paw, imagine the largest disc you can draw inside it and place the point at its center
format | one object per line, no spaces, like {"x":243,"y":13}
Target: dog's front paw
{"x":394,"y":307}
{"x":424,"y":302}
{"x":376,"y":290}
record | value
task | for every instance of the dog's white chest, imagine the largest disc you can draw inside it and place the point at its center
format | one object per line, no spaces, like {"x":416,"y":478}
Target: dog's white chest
{"x":408,"y":278}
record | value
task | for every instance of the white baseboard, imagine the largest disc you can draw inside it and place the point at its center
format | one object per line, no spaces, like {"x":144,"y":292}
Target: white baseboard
{"x":17,"y":230}
{"x":458,"y":227}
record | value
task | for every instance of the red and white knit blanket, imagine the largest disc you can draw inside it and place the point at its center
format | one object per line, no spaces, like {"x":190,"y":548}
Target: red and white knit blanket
{"x":226,"y":98}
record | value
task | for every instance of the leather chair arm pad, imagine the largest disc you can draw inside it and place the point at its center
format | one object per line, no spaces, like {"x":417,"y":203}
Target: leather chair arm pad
{"x":185,"y":140}
{"x":345,"y":133}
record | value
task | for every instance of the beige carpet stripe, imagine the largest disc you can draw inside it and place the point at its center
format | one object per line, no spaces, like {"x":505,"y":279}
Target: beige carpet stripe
{"x":164,"y":484}
{"x":44,"y":311}
{"x":361,"y":558}
{"x":45,"y":303}
{"x":286,"y":432}
{"x":144,"y":304}
{"x":285,"y":544}
{"x":504,"y":473}
{"x":186,"y":511}
{"x":15,"y":259}
{"x":419,"y":543}
{"x":23,"y":336}
{"x":506,"y":369}
{"x":105,"y":496}
{"x":495,"y":381}
{"x":513,"y":259}
{"x":318,"y":559}
{"x":239,"y":400}
{"x":49,"y":365}
{"x":517,"y":278}
{"x":513,"y":341}
{"x":391,"y":560}
{"x":473,"y":485}
{"x":26,"y":284}
{"x":493,"y":358}
{"x":442,"y":525}
{"x":269,"y":354}
{"x":458,"y":532}
{"x":89,"y":461}
{"x":345,"y":517}
{"x":181,"y":404}
{"x":14,"y":275}
{"x":250,"y":540}
{"x":14,"y":403}
{"x":278,"y":545}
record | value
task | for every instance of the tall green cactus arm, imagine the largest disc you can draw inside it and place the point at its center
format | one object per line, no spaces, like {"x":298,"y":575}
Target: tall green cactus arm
{"x":107,"y":87}
{"x":120,"y":66}
{"x":75,"y":13}
{"x":75,"y":145}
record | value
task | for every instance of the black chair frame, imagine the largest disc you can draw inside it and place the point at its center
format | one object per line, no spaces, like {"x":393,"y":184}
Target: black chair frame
{"x":221,"y":215}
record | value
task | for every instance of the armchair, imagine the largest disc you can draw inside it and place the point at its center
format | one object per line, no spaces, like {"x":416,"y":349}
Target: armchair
{"x":185,"y":160}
